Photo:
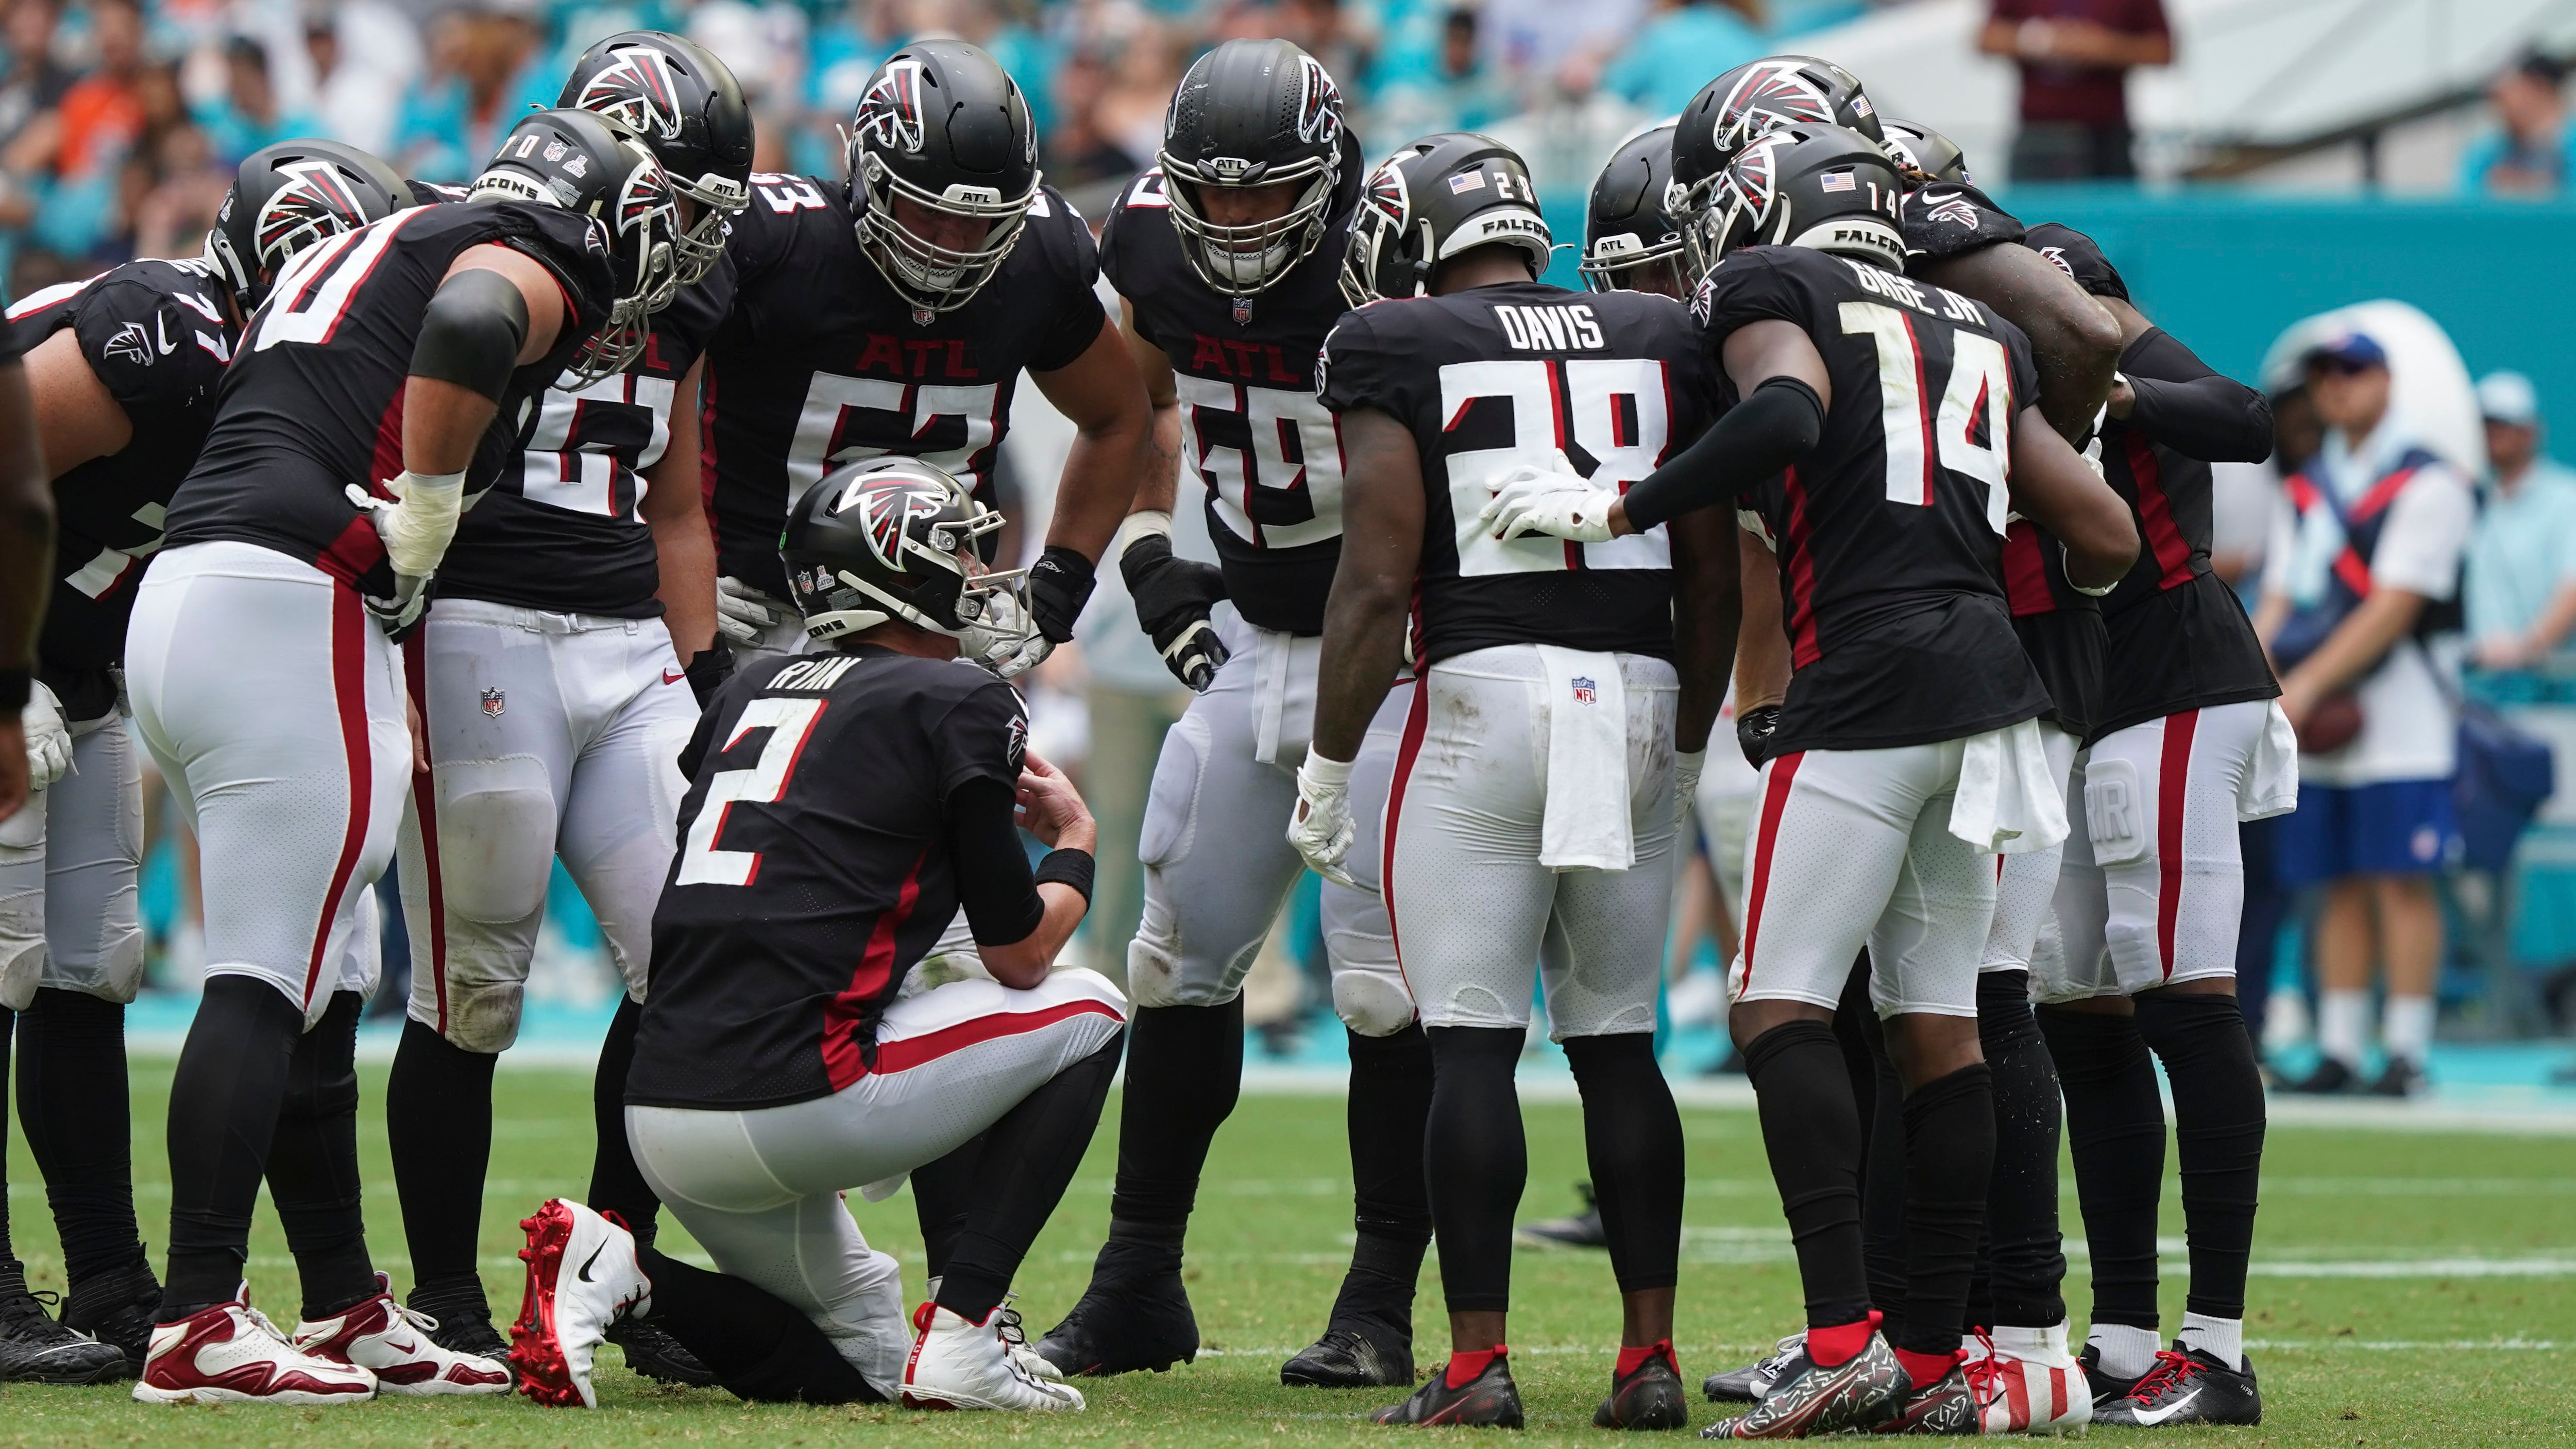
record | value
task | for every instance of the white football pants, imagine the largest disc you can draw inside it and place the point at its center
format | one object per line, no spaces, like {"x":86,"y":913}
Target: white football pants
{"x":68,"y":862}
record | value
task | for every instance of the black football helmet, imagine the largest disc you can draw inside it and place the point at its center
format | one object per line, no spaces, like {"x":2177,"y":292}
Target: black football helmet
{"x":1629,"y":243}
{"x":943,"y":126}
{"x":1438,"y":197}
{"x":1923,"y":149}
{"x":1732,"y":110}
{"x":594,"y":164}
{"x":1826,"y":187}
{"x":688,"y":108}
{"x":895,"y":538}
{"x":1252,"y":113}
{"x":285,"y":198}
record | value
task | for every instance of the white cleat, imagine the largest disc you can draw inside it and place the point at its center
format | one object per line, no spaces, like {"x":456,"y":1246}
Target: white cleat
{"x":582,"y":1277}
{"x":960,"y":1365}
{"x":231,"y":1353}
{"x":2027,"y":1383}
{"x":392,"y":1342}
{"x":1015,"y":1338}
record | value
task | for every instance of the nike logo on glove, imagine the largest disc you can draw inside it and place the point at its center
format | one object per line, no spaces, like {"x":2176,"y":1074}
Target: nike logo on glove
{"x":673,"y":676}
{"x":583,"y":1272}
{"x":2152,"y":1417}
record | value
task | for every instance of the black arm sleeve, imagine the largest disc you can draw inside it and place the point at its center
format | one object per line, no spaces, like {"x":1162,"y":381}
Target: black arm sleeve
{"x":994,"y":882}
{"x":2191,"y":409}
{"x":472,"y":333}
{"x":1755,"y":440}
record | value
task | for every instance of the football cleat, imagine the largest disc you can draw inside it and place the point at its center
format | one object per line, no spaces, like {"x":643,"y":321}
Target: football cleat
{"x":34,"y":1349}
{"x":1948,"y":1405}
{"x":2187,"y":1386}
{"x":657,"y":1355}
{"x":959,"y":1364}
{"x":231,"y":1353}
{"x":1808,"y":1401}
{"x":1747,"y":1385}
{"x":1581,"y":1230}
{"x":2331,"y":1078}
{"x":2401,"y":1078}
{"x":582,"y":1278}
{"x":396,"y":1345}
{"x":2106,"y":1387}
{"x":1490,"y":1400}
{"x":2027,"y":1383}
{"x":1648,"y":1397}
{"x":116,"y":1307}
{"x":1352,"y":1355}
{"x":1123,"y":1324}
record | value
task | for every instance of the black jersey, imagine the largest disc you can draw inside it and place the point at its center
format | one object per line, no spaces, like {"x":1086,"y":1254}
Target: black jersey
{"x":822,"y":363}
{"x":1495,"y":377}
{"x":157,"y":335}
{"x":1252,"y":431}
{"x":314,"y":402}
{"x":814,"y":869}
{"x":1890,"y":532}
{"x":560,"y":530}
{"x":1945,"y":219}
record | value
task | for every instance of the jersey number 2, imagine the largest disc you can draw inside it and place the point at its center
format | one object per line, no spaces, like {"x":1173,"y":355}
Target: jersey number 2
{"x":789,"y":722}
{"x":1920,"y":440}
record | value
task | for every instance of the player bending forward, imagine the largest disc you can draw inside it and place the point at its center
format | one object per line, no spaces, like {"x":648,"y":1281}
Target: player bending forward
{"x":843,"y":807}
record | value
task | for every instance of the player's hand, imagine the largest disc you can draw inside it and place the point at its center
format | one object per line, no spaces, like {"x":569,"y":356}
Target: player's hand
{"x":1173,"y":598}
{"x":1051,"y":809}
{"x":400,"y":613}
{"x":49,"y":739}
{"x":1687,"y":765}
{"x":1753,"y":731}
{"x":708,"y":669}
{"x":419,"y":734}
{"x":1320,"y":828}
{"x":1542,"y":500}
{"x":743,"y":613}
{"x":13,"y":766}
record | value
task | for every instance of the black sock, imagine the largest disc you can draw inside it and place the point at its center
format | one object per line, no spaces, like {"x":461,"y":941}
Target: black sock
{"x":1882,"y":1179}
{"x":2026,"y":1264}
{"x":1811,"y":1132}
{"x":313,"y":1164}
{"x":616,"y":1184}
{"x":438,"y":1123}
{"x":757,"y":1345}
{"x":943,"y":1197}
{"x":80,"y":1129}
{"x":2115,"y":1129}
{"x":2218,"y":1135}
{"x":1856,"y":1031}
{"x":1390,"y":1101}
{"x":1475,"y":1162}
{"x":1632,"y":1141}
{"x":224,"y":1100}
{"x":1949,"y":1155}
{"x":1184,"y":1071}
{"x":1029,"y":1160}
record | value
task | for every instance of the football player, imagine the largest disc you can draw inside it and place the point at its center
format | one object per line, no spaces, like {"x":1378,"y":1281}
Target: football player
{"x":123,"y":369}
{"x":1630,"y":243}
{"x":550,"y":685}
{"x":1227,"y":255}
{"x":843,"y":806}
{"x":894,"y":313}
{"x":1907,"y":751}
{"x":2188,"y":743}
{"x":1566,"y":695}
{"x":267,"y":683}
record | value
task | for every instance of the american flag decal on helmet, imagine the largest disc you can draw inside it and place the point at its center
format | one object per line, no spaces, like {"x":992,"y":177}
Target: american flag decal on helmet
{"x":1319,"y":106}
{"x":636,"y":87}
{"x":1773,"y":94}
{"x":890,"y":113}
{"x":318,"y":202}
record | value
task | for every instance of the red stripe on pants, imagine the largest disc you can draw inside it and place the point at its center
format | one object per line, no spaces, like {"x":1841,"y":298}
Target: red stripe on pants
{"x":424,"y":805}
{"x":2173,"y":780}
{"x":913,"y":1051}
{"x":1417,"y":723}
{"x":349,"y":693}
{"x":1775,"y":800}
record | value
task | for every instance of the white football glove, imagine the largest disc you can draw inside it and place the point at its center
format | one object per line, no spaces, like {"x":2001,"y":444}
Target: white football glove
{"x":743,"y":613}
{"x":1687,"y":765}
{"x":418,"y":525}
{"x":1320,"y":827}
{"x":1551,"y":501}
{"x":1018,"y":658}
{"x":49,"y":739}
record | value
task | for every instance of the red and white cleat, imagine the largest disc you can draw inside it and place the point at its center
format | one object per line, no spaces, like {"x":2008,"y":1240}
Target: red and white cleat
{"x":2027,"y":1383}
{"x":392,"y":1342}
{"x":231,"y":1353}
{"x":957,"y":1364}
{"x":582,"y":1277}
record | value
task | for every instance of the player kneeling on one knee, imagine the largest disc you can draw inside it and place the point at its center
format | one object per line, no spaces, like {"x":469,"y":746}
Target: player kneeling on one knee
{"x":843,"y":807}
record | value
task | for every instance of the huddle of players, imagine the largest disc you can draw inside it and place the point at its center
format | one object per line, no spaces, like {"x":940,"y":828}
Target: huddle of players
{"x":1601,"y":648}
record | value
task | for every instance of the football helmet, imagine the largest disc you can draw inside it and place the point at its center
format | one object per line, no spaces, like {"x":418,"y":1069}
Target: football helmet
{"x":596,"y":165}
{"x":941,"y":125}
{"x":1730,"y":112}
{"x":688,"y":108}
{"x":285,"y":198}
{"x":1252,"y":113}
{"x":1627,"y":238}
{"x":1437,"y":197}
{"x":895,"y":538}
{"x":1923,"y":149}
{"x":1825,"y":187}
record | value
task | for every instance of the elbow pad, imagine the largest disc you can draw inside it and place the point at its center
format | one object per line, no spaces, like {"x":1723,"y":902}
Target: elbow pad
{"x":1761,"y":435}
{"x":472,"y":333}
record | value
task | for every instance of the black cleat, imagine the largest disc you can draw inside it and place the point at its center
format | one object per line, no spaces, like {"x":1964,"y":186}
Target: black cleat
{"x":2187,"y":1386}
{"x":1124,"y":1324}
{"x":1809,"y":1402}
{"x":1490,"y":1400}
{"x":1583,"y":1230}
{"x":1353,"y":1355}
{"x":34,"y":1349}
{"x":2331,"y":1078}
{"x":658,"y":1356}
{"x":1948,"y":1406}
{"x":1748,"y":1384}
{"x":2401,"y":1078}
{"x":2107,"y":1387}
{"x":1649,"y":1398}
{"x":117,"y":1307}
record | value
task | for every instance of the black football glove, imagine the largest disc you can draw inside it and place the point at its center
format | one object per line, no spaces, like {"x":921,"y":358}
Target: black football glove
{"x":400,"y":615}
{"x":708,"y":669}
{"x":1753,"y":731}
{"x":1059,"y":585}
{"x":1173,"y":596}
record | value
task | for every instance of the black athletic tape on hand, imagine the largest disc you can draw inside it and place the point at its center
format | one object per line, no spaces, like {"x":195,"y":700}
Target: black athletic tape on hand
{"x":1758,"y":437}
{"x":472,"y":333}
{"x":1068,"y":867}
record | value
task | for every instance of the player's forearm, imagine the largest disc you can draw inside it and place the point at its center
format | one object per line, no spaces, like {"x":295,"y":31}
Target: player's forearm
{"x":442,"y":423}
{"x":1099,"y":485}
{"x":1708,"y":611}
{"x":1363,"y":649}
{"x":686,"y":553}
{"x":26,"y":525}
{"x":1158,"y":464}
{"x":2074,"y":343}
{"x":1761,"y":648}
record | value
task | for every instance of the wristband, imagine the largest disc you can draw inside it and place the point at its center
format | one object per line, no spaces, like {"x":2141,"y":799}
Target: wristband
{"x":1324,"y":770}
{"x":17,"y":686}
{"x":1141,"y":526}
{"x":1068,"y":867}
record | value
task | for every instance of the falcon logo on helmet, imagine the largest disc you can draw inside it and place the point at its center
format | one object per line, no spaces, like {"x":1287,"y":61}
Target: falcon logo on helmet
{"x":1776,"y":93}
{"x":285,"y":198}
{"x":636,"y":87}
{"x":317,"y":202}
{"x":1319,"y":107}
{"x":890,"y":113}
{"x":886,"y":514}
{"x":892,"y":538}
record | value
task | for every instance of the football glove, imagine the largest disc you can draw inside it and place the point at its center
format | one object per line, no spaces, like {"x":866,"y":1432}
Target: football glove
{"x":1059,"y":585}
{"x":1753,"y":731}
{"x":744,"y":613}
{"x":400,"y":614}
{"x":1320,"y":828}
{"x":418,"y":524}
{"x":708,"y":669}
{"x":1687,"y":765}
{"x":1173,"y":597}
{"x":1551,"y":501}
{"x":49,"y":739}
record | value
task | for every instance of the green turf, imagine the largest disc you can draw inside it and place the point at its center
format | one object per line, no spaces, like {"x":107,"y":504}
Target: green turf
{"x":2356,"y":1360}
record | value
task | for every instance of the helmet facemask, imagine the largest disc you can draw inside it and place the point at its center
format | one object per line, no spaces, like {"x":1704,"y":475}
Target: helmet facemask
{"x":642,"y":236}
{"x":1242,"y":260}
{"x":932,"y":277}
{"x":1621,"y":262}
{"x":696,"y":250}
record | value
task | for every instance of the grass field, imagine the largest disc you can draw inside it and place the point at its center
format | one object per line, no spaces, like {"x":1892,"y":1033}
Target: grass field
{"x":2410,"y":1289}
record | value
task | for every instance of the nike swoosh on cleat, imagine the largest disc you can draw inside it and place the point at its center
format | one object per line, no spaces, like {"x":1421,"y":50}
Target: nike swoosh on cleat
{"x":583,"y":1272}
{"x":2152,"y":1417}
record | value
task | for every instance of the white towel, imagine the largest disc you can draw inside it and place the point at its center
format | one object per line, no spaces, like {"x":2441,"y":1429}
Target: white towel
{"x":1284,"y":669}
{"x":1586,"y":826}
{"x":2009,"y":801}
{"x":2271,"y":783}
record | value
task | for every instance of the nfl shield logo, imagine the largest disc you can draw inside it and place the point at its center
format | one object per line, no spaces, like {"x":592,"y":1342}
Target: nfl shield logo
{"x":492,"y":704}
{"x":1242,"y":311}
{"x":923,"y":316}
{"x":1584,"y":693}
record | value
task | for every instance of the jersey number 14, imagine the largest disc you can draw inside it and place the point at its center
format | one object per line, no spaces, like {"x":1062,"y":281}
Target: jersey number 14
{"x":1922,"y":439}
